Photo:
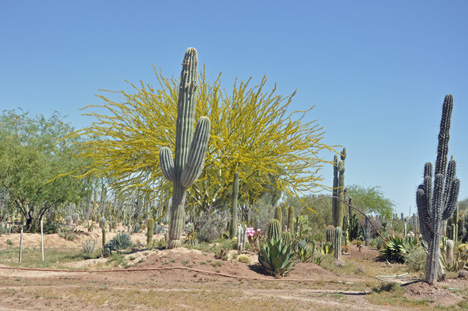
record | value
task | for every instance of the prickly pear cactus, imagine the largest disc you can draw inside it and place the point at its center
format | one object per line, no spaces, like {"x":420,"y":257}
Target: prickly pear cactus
{"x":437,"y":196}
{"x":190,"y":147}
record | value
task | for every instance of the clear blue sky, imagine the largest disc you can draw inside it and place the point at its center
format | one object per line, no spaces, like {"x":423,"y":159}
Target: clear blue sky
{"x":377,"y":71}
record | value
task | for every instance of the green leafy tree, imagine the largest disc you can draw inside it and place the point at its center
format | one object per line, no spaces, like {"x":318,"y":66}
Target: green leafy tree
{"x":370,"y":200}
{"x":33,"y":157}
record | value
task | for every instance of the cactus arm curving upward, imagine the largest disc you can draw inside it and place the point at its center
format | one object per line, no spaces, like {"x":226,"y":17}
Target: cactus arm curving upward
{"x":167,"y":164}
{"x":196,"y":154}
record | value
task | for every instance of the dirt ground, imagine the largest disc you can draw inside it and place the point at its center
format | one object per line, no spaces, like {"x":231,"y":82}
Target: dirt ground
{"x":191,"y":279}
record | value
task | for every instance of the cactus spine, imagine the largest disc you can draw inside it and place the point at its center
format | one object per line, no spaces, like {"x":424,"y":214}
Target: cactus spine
{"x":337,"y":243}
{"x":291,"y":219}
{"x":190,"y":148}
{"x":235,"y":194}
{"x":149,"y":233}
{"x":274,"y":229}
{"x":279,"y":215}
{"x":437,"y":199}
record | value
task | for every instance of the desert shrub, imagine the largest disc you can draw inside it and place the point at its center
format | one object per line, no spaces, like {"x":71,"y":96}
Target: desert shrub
{"x":88,"y":246}
{"x":416,"y":259}
{"x":211,"y":224}
{"x":67,"y":234}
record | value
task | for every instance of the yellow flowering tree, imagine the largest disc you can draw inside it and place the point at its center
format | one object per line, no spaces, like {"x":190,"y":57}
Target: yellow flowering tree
{"x":252,"y":133}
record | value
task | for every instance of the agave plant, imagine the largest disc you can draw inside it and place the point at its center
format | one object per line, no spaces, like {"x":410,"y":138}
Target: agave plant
{"x":119,"y":242}
{"x":303,"y":252}
{"x":395,"y":248}
{"x":276,"y":258}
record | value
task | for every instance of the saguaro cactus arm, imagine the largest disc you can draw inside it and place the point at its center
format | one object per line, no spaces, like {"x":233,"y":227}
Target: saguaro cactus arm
{"x":167,"y":163}
{"x":196,"y":154}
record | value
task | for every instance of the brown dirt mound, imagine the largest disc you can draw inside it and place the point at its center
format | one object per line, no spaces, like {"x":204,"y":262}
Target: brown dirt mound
{"x":423,"y":291}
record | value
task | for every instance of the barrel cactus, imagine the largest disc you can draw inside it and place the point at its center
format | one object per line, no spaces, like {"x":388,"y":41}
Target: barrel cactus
{"x":437,"y":196}
{"x":190,"y":148}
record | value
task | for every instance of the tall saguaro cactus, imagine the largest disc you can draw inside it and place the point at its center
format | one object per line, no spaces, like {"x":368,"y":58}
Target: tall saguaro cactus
{"x":437,"y":199}
{"x":190,"y":148}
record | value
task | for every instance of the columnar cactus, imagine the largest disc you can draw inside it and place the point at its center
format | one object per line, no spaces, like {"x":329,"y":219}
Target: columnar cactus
{"x":437,"y":199}
{"x":274,"y":229}
{"x":449,"y":251}
{"x":330,"y":234}
{"x":340,"y":204}
{"x":241,"y":237}
{"x":102,"y":223}
{"x":76,"y":218}
{"x":337,"y":243}
{"x":235,"y":194}
{"x":291,"y":219}
{"x":190,"y":147}
{"x":335,"y":188}
{"x":279,"y":215}
{"x":149,"y":233}
{"x":367,"y":232}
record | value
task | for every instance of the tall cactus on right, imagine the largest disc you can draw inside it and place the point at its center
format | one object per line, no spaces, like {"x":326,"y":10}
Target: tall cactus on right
{"x":190,"y":148}
{"x":437,"y":199}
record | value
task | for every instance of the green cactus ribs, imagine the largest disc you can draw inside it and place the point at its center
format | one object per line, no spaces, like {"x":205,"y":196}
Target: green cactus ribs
{"x":190,"y":147}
